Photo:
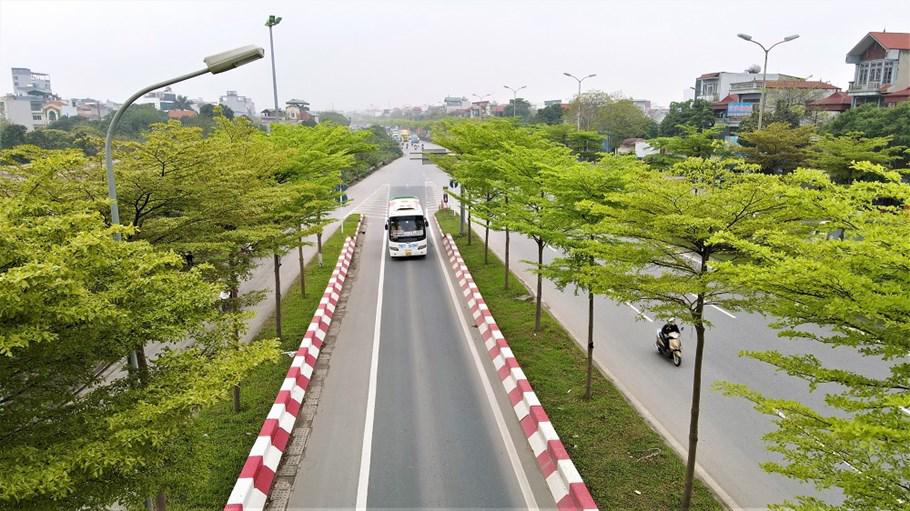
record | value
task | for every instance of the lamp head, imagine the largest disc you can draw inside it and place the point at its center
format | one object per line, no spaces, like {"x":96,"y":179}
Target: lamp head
{"x":568,"y":74}
{"x":225,"y":61}
{"x":592,"y":75}
{"x":791,"y":37}
{"x":273,"y":20}
{"x":747,"y":37}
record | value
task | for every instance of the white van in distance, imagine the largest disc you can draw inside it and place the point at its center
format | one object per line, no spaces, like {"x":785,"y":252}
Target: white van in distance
{"x":407,"y":227}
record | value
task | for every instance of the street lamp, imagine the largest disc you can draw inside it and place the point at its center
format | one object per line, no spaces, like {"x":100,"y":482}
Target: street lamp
{"x":481,"y":98}
{"x":515,"y":98}
{"x":764,"y":80}
{"x":271,"y":22}
{"x":578,"y":110}
{"x":214,"y":64}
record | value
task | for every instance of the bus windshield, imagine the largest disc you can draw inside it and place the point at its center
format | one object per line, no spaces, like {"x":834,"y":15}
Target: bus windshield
{"x":406,"y":228}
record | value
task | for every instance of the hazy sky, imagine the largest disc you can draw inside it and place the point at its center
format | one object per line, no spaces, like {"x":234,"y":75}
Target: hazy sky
{"x":356,"y":54}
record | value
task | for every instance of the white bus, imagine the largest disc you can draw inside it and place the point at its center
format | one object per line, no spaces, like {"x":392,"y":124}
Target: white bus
{"x":407,"y":227}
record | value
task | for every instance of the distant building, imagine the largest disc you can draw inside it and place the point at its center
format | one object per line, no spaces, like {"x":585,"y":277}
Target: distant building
{"x":162,"y":100}
{"x":240,"y":105}
{"x":29,"y":83}
{"x":298,"y":110}
{"x":481,"y":109}
{"x":453,"y":103}
{"x":882,"y":74}
{"x":22,"y":110}
{"x":744,"y":97}
{"x":180,"y":114}
{"x":551,"y":102}
{"x":643,"y":104}
{"x":716,"y":86}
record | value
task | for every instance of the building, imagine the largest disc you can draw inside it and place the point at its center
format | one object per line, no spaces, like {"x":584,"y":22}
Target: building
{"x":297,"y":110}
{"x":28,"y":83}
{"x":745,"y":97}
{"x":162,"y":100}
{"x":22,"y":110}
{"x":882,"y":74}
{"x":453,"y":103}
{"x":481,"y":109}
{"x":178,"y":114}
{"x":240,"y":105}
{"x":716,"y":86}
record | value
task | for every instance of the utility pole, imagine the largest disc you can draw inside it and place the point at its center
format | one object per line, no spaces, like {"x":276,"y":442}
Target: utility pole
{"x":764,"y":69}
{"x":515,"y":98}
{"x":578,"y":97}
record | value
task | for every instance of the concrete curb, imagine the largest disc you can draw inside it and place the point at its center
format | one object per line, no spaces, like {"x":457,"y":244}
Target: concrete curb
{"x":251,"y":491}
{"x":565,"y":483}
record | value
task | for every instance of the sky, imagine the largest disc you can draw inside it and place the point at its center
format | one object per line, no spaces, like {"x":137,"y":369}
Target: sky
{"x":346,"y":54}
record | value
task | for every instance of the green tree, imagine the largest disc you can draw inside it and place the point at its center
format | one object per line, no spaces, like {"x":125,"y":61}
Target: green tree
{"x":50,"y":139}
{"x":873,"y":122}
{"x":183,"y":103}
{"x":73,"y":301}
{"x":576,"y":188}
{"x":783,"y":112}
{"x":552,"y":114}
{"x":620,"y":120}
{"x":663,"y":243}
{"x":690,"y":143}
{"x":588,"y":106}
{"x":135,"y":120}
{"x":587,"y":145}
{"x":838,"y":155}
{"x":12,"y":135}
{"x":695,"y":113}
{"x":855,"y":289}
{"x":209,"y":110}
{"x":334,"y":117}
{"x":518,"y":107}
{"x":778,"y":148}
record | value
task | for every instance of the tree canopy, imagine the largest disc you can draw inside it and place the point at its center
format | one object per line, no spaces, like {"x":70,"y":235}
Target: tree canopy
{"x":695,"y":113}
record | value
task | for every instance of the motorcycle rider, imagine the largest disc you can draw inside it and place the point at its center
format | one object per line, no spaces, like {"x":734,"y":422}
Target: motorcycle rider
{"x":665,"y":331}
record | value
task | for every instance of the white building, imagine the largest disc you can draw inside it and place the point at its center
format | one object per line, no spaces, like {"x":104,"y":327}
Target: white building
{"x":713,"y":87}
{"x":28,"y":83}
{"x":163,"y":100}
{"x":453,"y":104}
{"x":241,"y":105}
{"x":23,"y":110}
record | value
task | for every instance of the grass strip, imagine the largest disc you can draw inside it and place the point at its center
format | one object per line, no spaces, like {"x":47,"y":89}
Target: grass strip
{"x":625,"y":463}
{"x":221,"y":438}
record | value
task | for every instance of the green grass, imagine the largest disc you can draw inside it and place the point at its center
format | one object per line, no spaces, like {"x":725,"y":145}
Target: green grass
{"x":611,"y":444}
{"x":222,"y":438}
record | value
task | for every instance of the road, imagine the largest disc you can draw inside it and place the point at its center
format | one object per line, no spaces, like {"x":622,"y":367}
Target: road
{"x":730,"y":446}
{"x":410,"y":415}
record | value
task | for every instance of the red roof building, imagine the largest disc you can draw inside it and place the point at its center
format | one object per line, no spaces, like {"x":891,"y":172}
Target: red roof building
{"x":837,"y":102}
{"x":882,"y":61}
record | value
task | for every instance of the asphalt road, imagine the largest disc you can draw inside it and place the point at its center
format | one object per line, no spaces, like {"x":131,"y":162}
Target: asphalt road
{"x":410,"y":415}
{"x":730,"y":446}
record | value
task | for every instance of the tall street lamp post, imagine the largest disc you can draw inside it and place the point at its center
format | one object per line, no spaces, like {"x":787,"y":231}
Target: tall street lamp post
{"x":213,"y":64}
{"x":515,"y":98}
{"x":271,"y":22}
{"x":764,"y":80}
{"x":578,"y":111}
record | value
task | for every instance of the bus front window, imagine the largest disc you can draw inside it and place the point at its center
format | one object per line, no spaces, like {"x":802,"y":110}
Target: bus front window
{"x":406,"y":228}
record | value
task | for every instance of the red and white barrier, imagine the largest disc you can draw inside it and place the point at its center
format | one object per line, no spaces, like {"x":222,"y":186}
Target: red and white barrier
{"x":255,"y":481}
{"x":564,"y":481}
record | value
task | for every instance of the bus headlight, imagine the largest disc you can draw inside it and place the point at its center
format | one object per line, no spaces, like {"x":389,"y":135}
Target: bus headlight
{"x":393,"y":247}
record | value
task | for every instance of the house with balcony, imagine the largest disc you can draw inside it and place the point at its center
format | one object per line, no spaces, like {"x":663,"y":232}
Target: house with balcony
{"x":714,"y":87}
{"x":745,"y":97}
{"x":882,"y":74}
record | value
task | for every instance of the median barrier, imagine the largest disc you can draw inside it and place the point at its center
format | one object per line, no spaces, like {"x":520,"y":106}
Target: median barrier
{"x":565,"y":483}
{"x":251,"y":491}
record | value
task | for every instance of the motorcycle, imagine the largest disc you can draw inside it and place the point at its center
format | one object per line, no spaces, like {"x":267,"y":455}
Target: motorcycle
{"x":672,"y":348}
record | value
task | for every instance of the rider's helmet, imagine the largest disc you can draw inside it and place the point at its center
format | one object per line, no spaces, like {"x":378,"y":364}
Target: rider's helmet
{"x":671,"y":321}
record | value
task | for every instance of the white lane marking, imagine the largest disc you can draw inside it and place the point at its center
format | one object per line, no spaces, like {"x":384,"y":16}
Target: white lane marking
{"x":523,"y":484}
{"x":640,"y":313}
{"x":363,"y":481}
{"x":715,"y":307}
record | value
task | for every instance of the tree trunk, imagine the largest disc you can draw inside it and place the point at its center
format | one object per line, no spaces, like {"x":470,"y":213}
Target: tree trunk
{"x":319,"y":247}
{"x":539,"y":286}
{"x":486,"y":242}
{"x":235,"y":397}
{"x":590,"y":344}
{"x":161,"y":501}
{"x":277,"y":294}
{"x":696,"y":399}
{"x":302,"y":264}
{"x":506,"y":285}
{"x":143,"y":365}
{"x":469,"y":224}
